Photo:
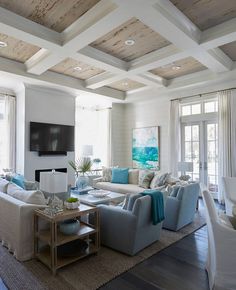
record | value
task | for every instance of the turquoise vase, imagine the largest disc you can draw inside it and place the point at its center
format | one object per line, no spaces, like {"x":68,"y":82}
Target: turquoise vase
{"x":82,"y":182}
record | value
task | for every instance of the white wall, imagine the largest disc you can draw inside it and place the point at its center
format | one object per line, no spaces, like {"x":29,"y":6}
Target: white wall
{"x":48,"y":106}
{"x":137,"y":115}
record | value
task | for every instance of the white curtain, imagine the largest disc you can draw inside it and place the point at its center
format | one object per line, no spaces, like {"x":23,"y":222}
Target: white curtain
{"x":8,"y":132}
{"x":174,"y":133}
{"x":93,"y":127}
{"x":227,"y":137}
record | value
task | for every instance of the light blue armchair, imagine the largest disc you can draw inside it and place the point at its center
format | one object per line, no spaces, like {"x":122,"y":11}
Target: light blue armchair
{"x":180,"y":209}
{"x":129,"y":230}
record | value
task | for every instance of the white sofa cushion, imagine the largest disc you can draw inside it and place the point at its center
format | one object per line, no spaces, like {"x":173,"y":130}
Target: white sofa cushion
{"x":120,"y":188}
{"x":3,"y":185}
{"x":27,"y":196}
{"x":133,"y":176}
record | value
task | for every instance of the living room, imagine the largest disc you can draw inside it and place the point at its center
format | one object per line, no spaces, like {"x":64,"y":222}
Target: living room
{"x":141,"y":96}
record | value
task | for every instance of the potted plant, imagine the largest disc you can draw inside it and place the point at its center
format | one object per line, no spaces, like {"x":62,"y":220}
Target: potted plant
{"x":72,"y":203}
{"x":81,"y":167}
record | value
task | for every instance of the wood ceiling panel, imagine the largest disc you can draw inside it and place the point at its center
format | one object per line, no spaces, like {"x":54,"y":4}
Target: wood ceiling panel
{"x":67,"y":67}
{"x":126,"y":85}
{"x":187,"y":66}
{"x":54,"y":14}
{"x":146,"y":40}
{"x":230,"y":50}
{"x":207,"y":13}
{"x":16,"y":49}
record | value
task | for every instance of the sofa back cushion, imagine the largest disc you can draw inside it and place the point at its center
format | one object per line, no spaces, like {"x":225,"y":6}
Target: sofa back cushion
{"x":133,"y":176}
{"x":27,"y":196}
{"x":145,"y":178}
{"x":3,"y":185}
{"x":120,"y":175}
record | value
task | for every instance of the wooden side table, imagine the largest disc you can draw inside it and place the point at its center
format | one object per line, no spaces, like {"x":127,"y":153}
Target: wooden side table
{"x":52,"y":238}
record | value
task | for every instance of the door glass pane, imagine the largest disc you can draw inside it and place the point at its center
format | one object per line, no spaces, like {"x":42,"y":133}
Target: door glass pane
{"x":196,"y":109}
{"x":212,"y":157}
{"x":191,"y":149}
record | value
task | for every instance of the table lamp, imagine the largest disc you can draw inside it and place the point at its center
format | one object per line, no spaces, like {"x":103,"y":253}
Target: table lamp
{"x":184,"y":167}
{"x":53,"y":182}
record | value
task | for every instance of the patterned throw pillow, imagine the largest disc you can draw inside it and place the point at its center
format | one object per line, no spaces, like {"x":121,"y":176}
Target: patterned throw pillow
{"x":145,"y":178}
{"x":106,"y":174}
{"x":159,"y":180}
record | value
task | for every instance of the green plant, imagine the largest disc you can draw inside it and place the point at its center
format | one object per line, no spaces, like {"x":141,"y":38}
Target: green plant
{"x":72,"y":199}
{"x":81,"y":165}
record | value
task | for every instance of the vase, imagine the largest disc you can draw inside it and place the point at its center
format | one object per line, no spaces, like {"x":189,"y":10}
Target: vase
{"x":70,"y":227}
{"x":82,"y":182}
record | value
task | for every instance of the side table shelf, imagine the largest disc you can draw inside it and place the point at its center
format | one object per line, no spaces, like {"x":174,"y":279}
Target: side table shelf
{"x":52,"y":238}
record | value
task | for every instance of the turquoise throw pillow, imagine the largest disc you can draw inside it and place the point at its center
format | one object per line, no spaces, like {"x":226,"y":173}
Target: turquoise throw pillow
{"x":19,"y":179}
{"x":120,"y":175}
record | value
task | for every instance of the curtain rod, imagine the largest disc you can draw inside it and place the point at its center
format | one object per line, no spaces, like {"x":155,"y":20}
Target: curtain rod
{"x":203,"y":94}
{"x":5,"y":94}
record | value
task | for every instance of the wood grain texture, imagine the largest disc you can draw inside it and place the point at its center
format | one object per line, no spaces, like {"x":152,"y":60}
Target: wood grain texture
{"x":126,"y":85}
{"x":16,"y":49}
{"x":207,"y":13}
{"x":230,"y":50}
{"x":146,"y":40}
{"x":67,"y":67}
{"x":54,"y":14}
{"x":188,"y":65}
{"x":180,"y":266}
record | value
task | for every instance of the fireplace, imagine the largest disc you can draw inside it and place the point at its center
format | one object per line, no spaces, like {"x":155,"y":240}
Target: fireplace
{"x":37,"y":172}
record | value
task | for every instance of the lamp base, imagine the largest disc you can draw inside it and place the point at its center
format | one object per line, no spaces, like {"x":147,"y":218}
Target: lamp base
{"x":55,"y":206}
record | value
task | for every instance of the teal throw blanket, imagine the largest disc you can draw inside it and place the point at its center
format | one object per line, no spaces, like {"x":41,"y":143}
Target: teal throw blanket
{"x":157,"y":205}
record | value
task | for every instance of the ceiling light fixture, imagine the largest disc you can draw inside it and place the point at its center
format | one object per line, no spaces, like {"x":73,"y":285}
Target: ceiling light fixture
{"x":3,"y":44}
{"x":129,"y":42}
{"x":78,"y":68}
{"x":125,"y":84}
{"x":176,"y":67}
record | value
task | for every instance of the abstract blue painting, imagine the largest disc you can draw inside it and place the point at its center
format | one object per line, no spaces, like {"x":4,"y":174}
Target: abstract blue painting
{"x":145,"y":148}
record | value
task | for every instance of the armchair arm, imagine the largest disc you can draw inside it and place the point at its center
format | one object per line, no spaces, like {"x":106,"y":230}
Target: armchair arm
{"x":118,"y":228}
{"x":171,"y":212}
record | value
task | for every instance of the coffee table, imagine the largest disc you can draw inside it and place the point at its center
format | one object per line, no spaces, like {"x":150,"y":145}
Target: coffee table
{"x":113,"y":197}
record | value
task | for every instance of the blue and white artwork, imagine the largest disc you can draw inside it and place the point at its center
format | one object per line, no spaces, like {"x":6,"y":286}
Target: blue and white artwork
{"x":145,"y":148}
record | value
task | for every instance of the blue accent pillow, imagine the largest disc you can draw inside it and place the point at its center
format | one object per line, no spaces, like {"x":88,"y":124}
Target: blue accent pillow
{"x":120,"y":175}
{"x":19,"y":179}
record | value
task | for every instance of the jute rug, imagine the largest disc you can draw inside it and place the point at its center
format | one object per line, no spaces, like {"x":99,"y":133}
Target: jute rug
{"x":87,"y":274}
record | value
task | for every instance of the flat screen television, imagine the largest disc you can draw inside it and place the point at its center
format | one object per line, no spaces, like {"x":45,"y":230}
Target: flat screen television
{"x":50,"y":139}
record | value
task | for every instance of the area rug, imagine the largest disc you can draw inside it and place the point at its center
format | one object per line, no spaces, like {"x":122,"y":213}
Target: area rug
{"x":89,"y":273}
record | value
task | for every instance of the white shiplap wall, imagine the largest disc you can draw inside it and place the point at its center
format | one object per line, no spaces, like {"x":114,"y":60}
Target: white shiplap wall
{"x":137,"y":115}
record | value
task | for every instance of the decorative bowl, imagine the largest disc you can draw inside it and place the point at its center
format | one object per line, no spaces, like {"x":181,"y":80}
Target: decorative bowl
{"x":99,"y":193}
{"x":72,"y":205}
{"x":69,"y":227}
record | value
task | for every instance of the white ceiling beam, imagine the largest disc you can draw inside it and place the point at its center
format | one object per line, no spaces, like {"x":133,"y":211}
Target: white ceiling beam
{"x":157,"y":58}
{"x":90,"y":27}
{"x":54,"y":79}
{"x":102,"y":79}
{"x":21,"y":28}
{"x":167,"y":20}
{"x":219,"y":35}
{"x":98,"y":58}
{"x":146,"y":80}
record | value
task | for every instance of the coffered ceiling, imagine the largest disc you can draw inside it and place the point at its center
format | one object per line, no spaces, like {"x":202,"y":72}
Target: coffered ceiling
{"x":118,"y":48}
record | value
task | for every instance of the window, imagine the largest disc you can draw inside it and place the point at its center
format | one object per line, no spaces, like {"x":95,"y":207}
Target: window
{"x":211,"y":107}
{"x":93,"y":128}
{"x":191,"y":109}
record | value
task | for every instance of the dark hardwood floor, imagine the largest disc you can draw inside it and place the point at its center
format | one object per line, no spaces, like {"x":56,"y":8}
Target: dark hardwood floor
{"x":178,"y":267}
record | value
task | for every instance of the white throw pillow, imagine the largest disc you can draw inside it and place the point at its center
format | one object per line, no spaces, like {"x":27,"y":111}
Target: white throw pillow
{"x":107,"y":173}
{"x":3,"y":185}
{"x":28,"y":196}
{"x":133,"y":176}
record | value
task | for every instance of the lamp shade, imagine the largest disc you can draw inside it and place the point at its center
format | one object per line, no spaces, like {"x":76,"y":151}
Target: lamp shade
{"x":53,"y":182}
{"x":185,"y":166}
{"x":87,"y":150}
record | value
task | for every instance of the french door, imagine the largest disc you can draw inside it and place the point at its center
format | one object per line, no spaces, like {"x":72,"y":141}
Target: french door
{"x":200,"y":146}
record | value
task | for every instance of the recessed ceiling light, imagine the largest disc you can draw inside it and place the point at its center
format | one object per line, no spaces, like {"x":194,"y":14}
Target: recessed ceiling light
{"x":78,"y":68}
{"x":129,"y":42}
{"x":176,"y":67}
{"x":125,"y":84}
{"x":3,"y":44}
